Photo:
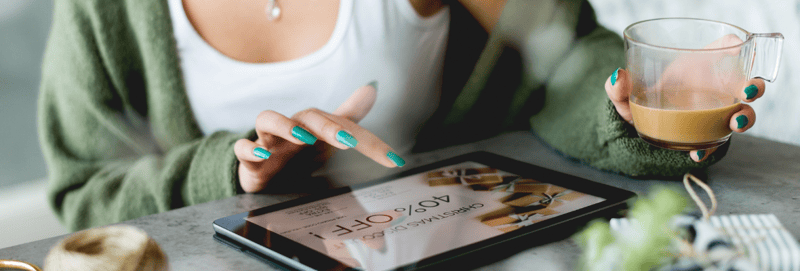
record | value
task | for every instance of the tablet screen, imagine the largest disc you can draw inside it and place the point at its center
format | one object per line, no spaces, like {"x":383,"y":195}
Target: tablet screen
{"x":409,"y":219}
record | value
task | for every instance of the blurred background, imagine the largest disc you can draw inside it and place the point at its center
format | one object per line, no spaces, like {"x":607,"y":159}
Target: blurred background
{"x":24,"y":213}
{"x":24,"y":24}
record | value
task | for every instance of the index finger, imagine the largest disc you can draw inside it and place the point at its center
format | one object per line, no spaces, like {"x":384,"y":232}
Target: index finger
{"x":728,"y":42}
{"x":619,"y":93}
{"x":752,"y":90}
{"x":368,"y":143}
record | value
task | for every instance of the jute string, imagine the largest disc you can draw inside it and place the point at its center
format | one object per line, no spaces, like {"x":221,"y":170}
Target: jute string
{"x":113,"y":248}
{"x":700,"y":204}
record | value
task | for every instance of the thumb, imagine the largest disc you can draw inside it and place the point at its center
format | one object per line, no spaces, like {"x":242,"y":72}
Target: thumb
{"x":358,"y":105}
{"x":729,"y":40}
{"x":619,"y":93}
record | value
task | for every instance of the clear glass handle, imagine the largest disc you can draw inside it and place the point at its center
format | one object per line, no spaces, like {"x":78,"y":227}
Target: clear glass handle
{"x":766,"y":55}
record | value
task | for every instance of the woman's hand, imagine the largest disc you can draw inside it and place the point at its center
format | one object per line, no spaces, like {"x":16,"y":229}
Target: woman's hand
{"x":280,"y":138}
{"x":618,"y":90}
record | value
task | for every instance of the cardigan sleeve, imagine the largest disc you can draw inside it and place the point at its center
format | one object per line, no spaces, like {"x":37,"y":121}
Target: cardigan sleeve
{"x":104,"y":162}
{"x":568,"y":55}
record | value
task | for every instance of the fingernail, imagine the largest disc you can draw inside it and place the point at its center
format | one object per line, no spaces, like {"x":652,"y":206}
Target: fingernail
{"x":614,"y":76}
{"x":741,"y":121}
{"x":347,"y":139}
{"x":261,"y":153}
{"x":396,"y":159}
{"x":374,"y":84}
{"x":751,"y":91}
{"x":701,"y":154}
{"x":300,"y":133}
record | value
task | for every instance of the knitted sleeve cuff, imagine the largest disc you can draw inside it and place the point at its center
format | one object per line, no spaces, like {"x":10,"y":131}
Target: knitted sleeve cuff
{"x":627,"y":153}
{"x":213,"y":171}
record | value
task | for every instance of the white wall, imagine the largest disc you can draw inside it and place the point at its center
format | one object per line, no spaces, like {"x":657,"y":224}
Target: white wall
{"x":24,"y":25}
{"x":778,"y":111}
{"x":25,"y":215}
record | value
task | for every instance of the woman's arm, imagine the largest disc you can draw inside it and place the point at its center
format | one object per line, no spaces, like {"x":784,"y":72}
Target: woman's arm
{"x":119,"y":136}
{"x":544,"y":67}
{"x":106,"y":162}
{"x":571,"y":56}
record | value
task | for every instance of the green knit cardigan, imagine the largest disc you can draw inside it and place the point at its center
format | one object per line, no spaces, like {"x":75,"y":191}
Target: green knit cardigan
{"x":120,"y":139}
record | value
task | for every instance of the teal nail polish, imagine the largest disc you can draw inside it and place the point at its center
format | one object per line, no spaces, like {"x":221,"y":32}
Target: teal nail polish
{"x":261,"y":153}
{"x":347,"y":139}
{"x":614,"y":76}
{"x":741,"y":121}
{"x":751,"y":91}
{"x":701,"y":154}
{"x":300,"y":133}
{"x":374,"y":84}
{"x":396,"y":159}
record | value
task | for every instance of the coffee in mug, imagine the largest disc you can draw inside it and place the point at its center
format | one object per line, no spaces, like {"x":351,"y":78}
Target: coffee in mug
{"x":684,"y":76}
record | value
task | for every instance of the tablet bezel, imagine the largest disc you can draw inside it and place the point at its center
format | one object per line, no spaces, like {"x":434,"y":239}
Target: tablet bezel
{"x":296,"y":255}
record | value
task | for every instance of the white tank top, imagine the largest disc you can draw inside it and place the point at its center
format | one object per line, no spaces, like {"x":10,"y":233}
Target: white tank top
{"x":382,"y":40}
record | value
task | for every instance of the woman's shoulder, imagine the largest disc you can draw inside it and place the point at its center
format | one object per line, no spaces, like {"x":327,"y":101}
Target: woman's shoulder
{"x":99,"y":5}
{"x":111,"y":13}
{"x":112,"y":42}
{"x":112,"y":26}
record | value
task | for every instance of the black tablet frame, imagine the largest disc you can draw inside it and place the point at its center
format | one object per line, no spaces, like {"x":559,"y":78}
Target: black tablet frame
{"x":251,"y":238}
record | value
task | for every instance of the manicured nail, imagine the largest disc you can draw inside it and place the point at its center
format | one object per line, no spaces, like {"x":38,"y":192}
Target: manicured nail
{"x":701,"y":154}
{"x":374,"y":84}
{"x":741,"y":121}
{"x":396,"y":159}
{"x":303,"y":135}
{"x":614,"y":76}
{"x":346,"y":138}
{"x":751,"y":91}
{"x":261,"y":153}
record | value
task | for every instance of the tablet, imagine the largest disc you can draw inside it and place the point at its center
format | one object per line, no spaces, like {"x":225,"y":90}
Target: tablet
{"x":459,"y":208}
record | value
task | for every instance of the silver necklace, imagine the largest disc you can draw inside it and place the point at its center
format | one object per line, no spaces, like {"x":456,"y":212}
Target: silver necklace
{"x":273,"y":10}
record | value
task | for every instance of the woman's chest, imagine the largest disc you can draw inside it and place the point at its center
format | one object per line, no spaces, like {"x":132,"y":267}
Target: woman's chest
{"x":242,"y":30}
{"x":384,"y":41}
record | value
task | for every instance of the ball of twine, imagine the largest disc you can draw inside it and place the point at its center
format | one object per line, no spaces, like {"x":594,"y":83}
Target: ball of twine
{"x":120,"y":248}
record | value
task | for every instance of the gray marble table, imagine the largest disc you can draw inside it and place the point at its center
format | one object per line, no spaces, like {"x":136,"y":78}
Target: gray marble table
{"x":757,"y":176}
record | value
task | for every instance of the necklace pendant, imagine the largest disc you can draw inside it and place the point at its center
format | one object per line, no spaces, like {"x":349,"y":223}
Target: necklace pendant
{"x":273,"y":10}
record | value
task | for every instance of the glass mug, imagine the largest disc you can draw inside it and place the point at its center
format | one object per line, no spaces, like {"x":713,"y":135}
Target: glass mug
{"x":684,"y":75}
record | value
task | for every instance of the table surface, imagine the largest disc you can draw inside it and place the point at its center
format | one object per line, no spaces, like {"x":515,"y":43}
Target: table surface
{"x":757,"y":176}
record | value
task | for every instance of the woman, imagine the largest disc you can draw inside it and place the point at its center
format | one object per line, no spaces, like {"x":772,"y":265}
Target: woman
{"x":147,"y":106}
